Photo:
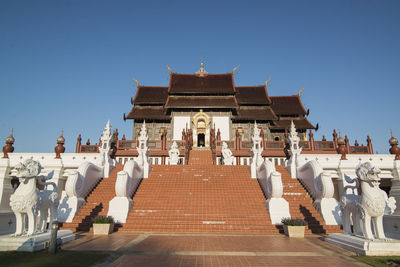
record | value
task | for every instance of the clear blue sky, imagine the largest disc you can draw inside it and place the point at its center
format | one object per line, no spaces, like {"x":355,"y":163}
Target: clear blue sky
{"x":70,"y":63}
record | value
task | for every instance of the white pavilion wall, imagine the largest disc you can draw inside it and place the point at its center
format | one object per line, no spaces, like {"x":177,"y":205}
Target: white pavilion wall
{"x":222,"y":123}
{"x":180,"y":123}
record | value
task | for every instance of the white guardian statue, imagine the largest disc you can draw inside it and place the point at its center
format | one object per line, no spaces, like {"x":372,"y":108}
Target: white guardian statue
{"x":28,"y":201}
{"x":227,"y":156}
{"x":173,"y":154}
{"x":370,"y":205}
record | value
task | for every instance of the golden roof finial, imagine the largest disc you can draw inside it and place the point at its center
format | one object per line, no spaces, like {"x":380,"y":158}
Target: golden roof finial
{"x":136,"y":81}
{"x":235,"y":69}
{"x":169,"y":69}
{"x":391,"y":133}
{"x":202,"y":71}
{"x":201,"y":65}
{"x":301,"y":91}
{"x":267,"y":81}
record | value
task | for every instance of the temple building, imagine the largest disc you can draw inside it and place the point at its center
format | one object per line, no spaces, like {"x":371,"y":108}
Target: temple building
{"x":204,"y":101}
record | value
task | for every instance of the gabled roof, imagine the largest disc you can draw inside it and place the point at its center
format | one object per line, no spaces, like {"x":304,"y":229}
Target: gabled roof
{"x":255,"y":113}
{"x":256,"y":95}
{"x":300,"y":123}
{"x":151,"y":95}
{"x":201,"y":102}
{"x":201,"y":84}
{"x":288,"y":105}
{"x":147,"y":112}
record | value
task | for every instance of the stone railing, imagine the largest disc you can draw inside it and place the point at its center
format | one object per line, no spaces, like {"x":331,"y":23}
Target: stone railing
{"x":62,"y":167}
{"x":320,"y":186}
{"x":271,"y":183}
{"x":127,"y":182}
{"x":79,"y":184}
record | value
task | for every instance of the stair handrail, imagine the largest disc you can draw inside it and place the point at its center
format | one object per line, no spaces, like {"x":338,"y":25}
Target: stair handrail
{"x":270,"y":179}
{"x":128,"y":179}
{"x":79,"y":184}
{"x":271,"y":183}
{"x":321,"y":188}
{"x":318,"y":182}
{"x":126,"y":184}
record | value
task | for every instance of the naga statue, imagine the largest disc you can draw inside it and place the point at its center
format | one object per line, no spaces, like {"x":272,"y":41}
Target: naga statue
{"x":367,"y":207}
{"x":28,"y":201}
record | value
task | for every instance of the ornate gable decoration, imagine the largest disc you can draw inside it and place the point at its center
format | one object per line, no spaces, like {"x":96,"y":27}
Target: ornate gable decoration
{"x":201,"y":120}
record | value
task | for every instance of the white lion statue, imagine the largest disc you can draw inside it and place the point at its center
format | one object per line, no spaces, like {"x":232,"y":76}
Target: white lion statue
{"x":28,"y":200}
{"x":367,"y":207}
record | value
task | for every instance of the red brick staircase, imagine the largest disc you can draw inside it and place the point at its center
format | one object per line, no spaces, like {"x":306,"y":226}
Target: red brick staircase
{"x":199,"y":197}
{"x":301,"y":205}
{"x":96,"y":203}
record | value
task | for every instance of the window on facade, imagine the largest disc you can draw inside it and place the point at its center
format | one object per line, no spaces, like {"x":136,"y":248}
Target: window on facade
{"x":277,"y":138}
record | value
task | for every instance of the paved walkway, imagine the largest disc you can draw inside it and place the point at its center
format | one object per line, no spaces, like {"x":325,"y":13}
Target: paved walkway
{"x":155,"y":249}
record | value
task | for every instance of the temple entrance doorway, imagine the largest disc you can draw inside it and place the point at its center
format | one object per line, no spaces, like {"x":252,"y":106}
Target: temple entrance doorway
{"x":201,"y":140}
{"x":201,"y":123}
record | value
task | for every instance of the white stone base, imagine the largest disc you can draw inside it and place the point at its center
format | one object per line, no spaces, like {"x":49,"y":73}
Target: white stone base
{"x":391,"y":225}
{"x":278,"y":208}
{"x":33,"y":243}
{"x":119,"y":208}
{"x":7,"y":223}
{"x":362,"y":246}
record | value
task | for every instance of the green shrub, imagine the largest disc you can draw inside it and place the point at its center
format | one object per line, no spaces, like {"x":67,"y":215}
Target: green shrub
{"x":293,"y":222}
{"x":103,"y":219}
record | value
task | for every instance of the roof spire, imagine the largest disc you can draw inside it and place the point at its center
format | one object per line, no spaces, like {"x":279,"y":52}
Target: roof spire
{"x":267,"y":81}
{"x":136,"y":81}
{"x":235,"y":69}
{"x":301,"y":91}
{"x":202,"y":71}
{"x":169,"y":69}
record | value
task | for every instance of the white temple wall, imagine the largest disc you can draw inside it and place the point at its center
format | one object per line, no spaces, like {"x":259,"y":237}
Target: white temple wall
{"x":221,"y":123}
{"x":180,"y":123}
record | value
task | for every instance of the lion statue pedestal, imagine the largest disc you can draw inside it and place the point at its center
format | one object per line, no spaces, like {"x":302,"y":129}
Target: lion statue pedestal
{"x":365,"y":212}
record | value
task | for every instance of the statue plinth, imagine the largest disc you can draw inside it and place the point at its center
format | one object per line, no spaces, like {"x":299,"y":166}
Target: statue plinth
{"x":362,"y":246}
{"x":34,"y":242}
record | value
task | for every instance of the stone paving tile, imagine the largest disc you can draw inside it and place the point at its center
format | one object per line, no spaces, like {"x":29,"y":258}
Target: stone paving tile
{"x":223,"y":243}
{"x":92,"y":242}
{"x":147,"y":249}
{"x":181,"y":261}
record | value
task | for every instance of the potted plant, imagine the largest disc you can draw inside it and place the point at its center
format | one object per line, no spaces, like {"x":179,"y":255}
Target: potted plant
{"x":294,"y":227}
{"x":103,"y":225}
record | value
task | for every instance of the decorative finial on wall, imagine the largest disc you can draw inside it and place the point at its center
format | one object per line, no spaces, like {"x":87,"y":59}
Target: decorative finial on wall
{"x":60,"y":145}
{"x":8,"y":148}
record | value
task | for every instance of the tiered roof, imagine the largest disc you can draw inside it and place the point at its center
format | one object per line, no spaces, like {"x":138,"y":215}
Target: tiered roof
{"x":203,"y":90}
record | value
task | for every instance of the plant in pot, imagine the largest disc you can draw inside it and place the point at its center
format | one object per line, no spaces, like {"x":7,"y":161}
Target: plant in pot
{"x":294,"y":227}
{"x":103,"y":225}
